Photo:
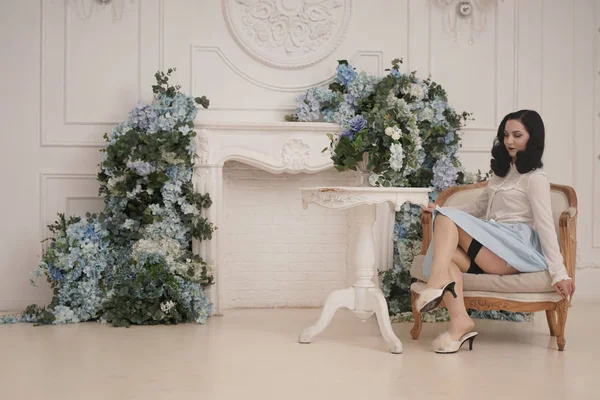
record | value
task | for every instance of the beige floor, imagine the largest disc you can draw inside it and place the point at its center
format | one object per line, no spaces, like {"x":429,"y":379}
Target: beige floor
{"x":253,"y":354}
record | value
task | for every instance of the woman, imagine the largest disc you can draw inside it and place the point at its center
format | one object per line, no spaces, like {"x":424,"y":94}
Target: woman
{"x":508,"y":229}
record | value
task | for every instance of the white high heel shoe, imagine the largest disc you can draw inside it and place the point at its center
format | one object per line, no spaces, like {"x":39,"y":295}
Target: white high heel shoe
{"x":444,"y":344}
{"x":431,"y":298}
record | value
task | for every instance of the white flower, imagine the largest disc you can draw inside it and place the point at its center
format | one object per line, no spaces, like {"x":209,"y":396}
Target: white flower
{"x":189,"y":209}
{"x":418,"y":141}
{"x":63,"y":314}
{"x":128,"y":223}
{"x":334,"y":142}
{"x":140,"y":167}
{"x":394,"y":132}
{"x":185,"y":129}
{"x":391,"y":99}
{"x":171,"y":158}
{"x":416,"y":91}
{"x":166,"y":307}
{"x":112,"y":182}
{"x":427,"y":114}
{"x":403,"y":107}
{"x":170,"y":249}
{"x":396,"y":156}
{"x":373,"y":178}
{"x":134,"y":192}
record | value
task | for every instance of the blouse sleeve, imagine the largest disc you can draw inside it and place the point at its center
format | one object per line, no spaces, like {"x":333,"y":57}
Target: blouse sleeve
{"x":538,"y":192}
{"x":477,"y":207}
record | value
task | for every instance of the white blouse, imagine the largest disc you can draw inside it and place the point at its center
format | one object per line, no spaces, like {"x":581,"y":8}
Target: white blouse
{"x":522,"y":198}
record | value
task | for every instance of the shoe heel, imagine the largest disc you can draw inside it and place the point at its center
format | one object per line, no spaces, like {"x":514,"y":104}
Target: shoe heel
{"x":471,"y":340}
{"x":450,"y":288}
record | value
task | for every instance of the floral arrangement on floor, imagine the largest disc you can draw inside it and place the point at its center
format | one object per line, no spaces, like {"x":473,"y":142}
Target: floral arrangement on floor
{"x":402,"y":132}
{"x":133,"y":264}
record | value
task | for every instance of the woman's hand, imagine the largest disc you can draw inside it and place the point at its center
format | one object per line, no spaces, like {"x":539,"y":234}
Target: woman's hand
{"x":565,"y":288}
{"x":430,"y":207}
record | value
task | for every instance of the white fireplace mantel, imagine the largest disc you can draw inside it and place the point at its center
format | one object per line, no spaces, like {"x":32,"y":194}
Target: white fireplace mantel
{"x":276,"y":147}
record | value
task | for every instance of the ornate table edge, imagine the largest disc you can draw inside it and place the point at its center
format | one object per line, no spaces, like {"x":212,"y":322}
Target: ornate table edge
{"x":347,"y":197}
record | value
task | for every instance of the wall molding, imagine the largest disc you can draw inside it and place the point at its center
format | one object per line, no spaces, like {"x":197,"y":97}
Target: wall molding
{"x":413,"y":7}
{"x":596,"y":126}
{"x":56,"y":129}
{"x":46,"y":176}
{"x":66,"y":72}
{"x":259,"y":83}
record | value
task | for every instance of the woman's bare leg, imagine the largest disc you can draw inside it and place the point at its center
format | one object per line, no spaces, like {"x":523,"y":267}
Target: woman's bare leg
{"x":445,"y":242}
{"x":460,"y":322}
{"x":461,"y":259}
{"x":451,"y":244}
{"x":447,"y":237}
{"x":446,"y":248}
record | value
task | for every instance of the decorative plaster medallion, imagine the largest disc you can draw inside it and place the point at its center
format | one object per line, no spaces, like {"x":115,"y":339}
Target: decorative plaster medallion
{"x":288,"y":34}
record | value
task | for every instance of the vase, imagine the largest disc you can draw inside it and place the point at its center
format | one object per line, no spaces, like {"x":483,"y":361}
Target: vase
{"x":363,"y":168}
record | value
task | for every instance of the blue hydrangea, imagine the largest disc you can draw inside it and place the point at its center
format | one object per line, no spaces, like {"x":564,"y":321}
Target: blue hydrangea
{"x":357,"y":123}
{"x":118,"y":131}
{"x":142,"y":168}
{"x":449,"y":137}
{"x":171,"y":111}
{"x":309,"y":105}
{"x":360,"y":88}
{"x":192,"y":297}
{"x":80,"y":263}
{"x":439,"y":106}
{"x":345,"y":74}
{"x":55,"y":274}
{"x":142,"y":116}
{"x":343,"y":115}
{"x":444,"y":173}
{"x":349,"y":134}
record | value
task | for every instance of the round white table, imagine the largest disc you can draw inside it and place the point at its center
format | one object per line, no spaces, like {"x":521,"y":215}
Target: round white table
{"x":364,"y":298}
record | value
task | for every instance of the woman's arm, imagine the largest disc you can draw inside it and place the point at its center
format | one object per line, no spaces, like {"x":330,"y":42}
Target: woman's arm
{"x":538,"y":192}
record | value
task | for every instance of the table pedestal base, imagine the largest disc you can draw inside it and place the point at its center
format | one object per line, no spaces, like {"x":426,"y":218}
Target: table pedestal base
{"x":373,"y":302}
{"x":364,"y":298}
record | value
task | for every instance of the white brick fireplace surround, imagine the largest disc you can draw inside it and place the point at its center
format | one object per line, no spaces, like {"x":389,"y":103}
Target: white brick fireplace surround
{"x":267,"y":250}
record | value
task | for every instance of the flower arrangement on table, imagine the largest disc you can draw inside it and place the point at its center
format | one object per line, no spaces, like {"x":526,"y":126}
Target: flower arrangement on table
{"x":399,"y":128}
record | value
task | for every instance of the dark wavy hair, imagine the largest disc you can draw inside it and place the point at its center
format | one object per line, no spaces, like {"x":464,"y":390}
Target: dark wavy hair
{"x":531,"y":157}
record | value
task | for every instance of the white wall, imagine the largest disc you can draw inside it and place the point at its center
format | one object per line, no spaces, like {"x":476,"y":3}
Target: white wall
{"x":67,"y":80}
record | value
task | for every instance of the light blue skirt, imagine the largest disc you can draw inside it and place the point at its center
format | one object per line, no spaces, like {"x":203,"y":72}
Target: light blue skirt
{"x":517,"y":243}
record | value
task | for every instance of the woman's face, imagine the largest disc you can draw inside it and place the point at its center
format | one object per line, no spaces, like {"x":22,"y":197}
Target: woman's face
{"x":515,"y":137}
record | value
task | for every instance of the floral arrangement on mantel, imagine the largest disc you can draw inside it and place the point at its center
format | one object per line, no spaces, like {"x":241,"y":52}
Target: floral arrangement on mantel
{"x":133,"y":264}
{"x":400,"y":131}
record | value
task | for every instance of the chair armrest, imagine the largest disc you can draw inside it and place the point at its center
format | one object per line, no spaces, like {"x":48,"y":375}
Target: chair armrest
{"x":568,"y":239}
{"x":426,"y":224}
